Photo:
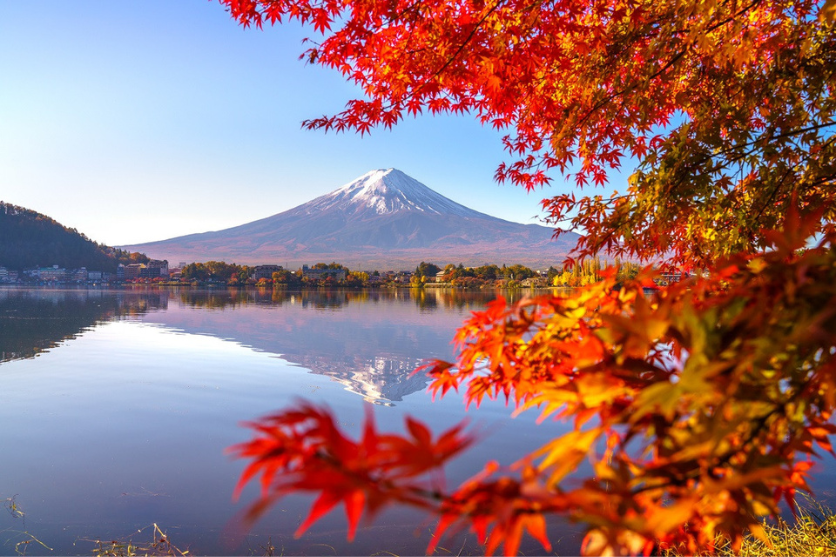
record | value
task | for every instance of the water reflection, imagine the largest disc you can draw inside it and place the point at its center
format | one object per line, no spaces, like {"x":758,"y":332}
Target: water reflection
{"x":429,"y":298}
{"x":32,"y":321}
{"x":369,"y":341}
{"x":125,"y":425}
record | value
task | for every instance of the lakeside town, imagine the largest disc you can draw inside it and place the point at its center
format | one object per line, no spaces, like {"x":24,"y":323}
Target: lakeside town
{"x":218,"y":273}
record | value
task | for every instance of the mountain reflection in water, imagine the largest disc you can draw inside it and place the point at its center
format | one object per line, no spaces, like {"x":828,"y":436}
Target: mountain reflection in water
{"x":123,"y":419}
{"x":369,"y":341}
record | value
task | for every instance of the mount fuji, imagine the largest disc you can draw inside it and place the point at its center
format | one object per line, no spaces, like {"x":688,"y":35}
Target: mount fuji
{"x":382,"y":220}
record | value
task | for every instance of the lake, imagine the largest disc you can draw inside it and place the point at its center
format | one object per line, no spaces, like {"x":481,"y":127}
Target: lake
{"x":117,"y":406}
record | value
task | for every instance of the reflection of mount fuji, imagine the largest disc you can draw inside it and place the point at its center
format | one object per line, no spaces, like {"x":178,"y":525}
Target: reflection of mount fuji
{"x":379,"y":380}
{"x":32,"y":321}
{"x":371,"y":342}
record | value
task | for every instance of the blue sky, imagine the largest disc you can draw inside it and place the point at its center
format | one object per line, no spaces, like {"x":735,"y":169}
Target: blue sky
{"x":139,"y":121}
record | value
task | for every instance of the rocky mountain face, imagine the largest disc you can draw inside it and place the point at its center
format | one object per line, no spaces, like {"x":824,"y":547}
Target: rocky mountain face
{"x":384,"y":220}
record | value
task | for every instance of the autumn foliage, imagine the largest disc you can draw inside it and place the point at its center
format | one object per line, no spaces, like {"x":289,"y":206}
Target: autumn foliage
{"x":701,"y":407}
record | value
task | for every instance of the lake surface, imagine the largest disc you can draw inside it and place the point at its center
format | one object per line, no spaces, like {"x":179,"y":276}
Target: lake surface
{"x":117,"y":406}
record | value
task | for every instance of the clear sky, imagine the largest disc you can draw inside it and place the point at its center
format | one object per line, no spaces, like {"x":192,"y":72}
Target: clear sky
{"x":139,"y":121}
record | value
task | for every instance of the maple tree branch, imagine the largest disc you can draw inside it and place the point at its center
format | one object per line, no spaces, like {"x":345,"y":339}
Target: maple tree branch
{"x":774,"y":193}
{"x":667,"y":66}
{"x":452,"y":58}
{"x":621,"y":92}
{"x":761,"y":139}
{"x":724,"y":459}
{"x":733,"y":16}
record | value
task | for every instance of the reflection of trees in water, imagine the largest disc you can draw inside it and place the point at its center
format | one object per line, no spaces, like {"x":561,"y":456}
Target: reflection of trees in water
{"x":430,"y":298}
{"x":323,"y":298}
{"x":234,"y":297}
{"x":215,"y":299}
{"x":35,"y":320}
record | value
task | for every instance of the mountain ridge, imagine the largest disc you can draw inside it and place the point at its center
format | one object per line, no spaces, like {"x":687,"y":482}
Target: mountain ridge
{"x":384,"y":218}
{"x":31,"y":239}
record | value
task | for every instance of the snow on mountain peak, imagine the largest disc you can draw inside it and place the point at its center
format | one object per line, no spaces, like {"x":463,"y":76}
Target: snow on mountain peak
{"x":390,"y":191}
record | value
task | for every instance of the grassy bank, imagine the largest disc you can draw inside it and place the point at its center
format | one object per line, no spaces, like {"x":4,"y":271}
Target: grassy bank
{"x":812,"y":533}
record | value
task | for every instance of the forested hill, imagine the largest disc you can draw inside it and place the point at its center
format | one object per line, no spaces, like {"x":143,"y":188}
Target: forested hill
{"x":30,"y":239}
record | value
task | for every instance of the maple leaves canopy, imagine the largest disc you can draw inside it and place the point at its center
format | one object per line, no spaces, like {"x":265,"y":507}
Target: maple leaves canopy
{"x":724,"y":381}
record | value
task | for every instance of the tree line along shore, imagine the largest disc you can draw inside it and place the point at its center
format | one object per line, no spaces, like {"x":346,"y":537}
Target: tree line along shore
{"x":424,"y":275}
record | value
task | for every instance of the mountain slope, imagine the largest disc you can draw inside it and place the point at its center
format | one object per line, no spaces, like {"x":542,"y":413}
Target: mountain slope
{"x":30,"y":239}
{"x":384,"y":219}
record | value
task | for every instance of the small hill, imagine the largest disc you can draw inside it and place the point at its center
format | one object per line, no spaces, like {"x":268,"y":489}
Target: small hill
{"x":30,"y":239}
{"x":383,"y":219}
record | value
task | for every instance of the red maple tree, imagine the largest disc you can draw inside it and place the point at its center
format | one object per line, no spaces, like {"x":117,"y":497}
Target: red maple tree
{"x":721,"y":386}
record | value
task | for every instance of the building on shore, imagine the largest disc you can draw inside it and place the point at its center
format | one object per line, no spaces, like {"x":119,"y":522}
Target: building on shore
{"x":133,"y":271}
{"x":320,"y":274}
{"x":672,"y":277}
{"x":265,"y":271}
{"x":156,"y":268}
{"x":51,"y":274}
{"x":78,"y":275}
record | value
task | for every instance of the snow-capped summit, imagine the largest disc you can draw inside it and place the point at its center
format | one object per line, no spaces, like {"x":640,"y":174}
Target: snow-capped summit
{"x":384,"y":219}
{"x":390,"y":191}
